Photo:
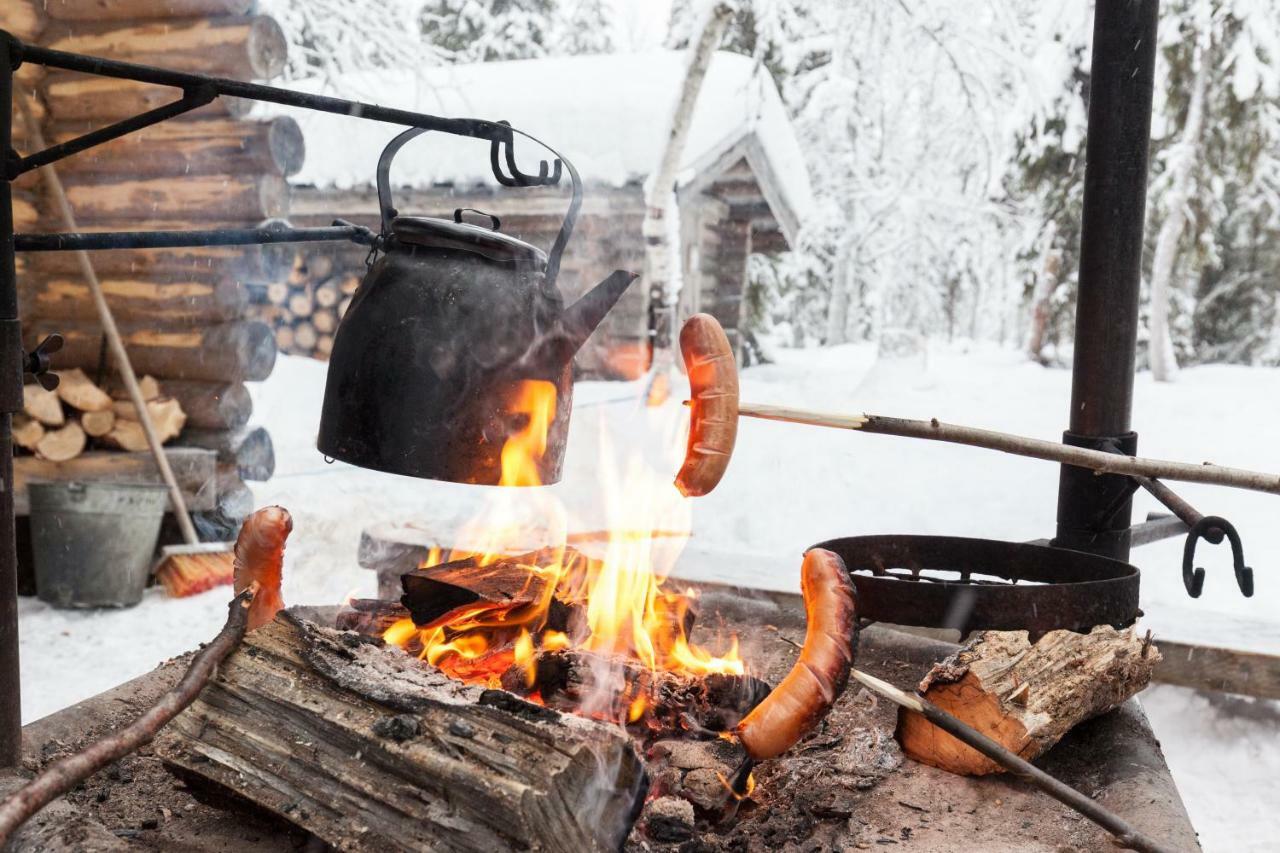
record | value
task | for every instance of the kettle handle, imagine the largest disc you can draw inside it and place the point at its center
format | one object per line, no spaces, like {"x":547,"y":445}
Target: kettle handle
{"x":388,"y":212}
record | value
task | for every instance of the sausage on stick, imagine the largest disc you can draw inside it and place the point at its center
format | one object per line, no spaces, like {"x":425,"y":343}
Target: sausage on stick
{"x":818,"y":678}
{"x":260,"y":559}
{"x":713,"y":424}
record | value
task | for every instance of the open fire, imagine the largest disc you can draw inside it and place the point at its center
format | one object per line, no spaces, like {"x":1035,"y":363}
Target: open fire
{"x":612,"y":607}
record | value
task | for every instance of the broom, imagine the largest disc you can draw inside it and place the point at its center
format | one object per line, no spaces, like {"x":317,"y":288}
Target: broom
{"x":183,"y":569}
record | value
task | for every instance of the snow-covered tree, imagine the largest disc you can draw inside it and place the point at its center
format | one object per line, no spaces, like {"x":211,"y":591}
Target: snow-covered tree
{"x":581,"y":27}
{"x":488,"y":30}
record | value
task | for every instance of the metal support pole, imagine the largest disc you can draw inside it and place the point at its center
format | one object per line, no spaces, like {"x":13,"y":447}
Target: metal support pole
{"x":1093,"y":513}
{"x":11,"y":358}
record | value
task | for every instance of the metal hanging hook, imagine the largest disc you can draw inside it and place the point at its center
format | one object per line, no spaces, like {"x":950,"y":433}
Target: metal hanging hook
{"x":1193,"y":578}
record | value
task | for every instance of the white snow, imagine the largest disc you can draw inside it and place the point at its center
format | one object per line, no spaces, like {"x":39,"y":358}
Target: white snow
{"x":787,"y":488}
{"x":610,"y":118}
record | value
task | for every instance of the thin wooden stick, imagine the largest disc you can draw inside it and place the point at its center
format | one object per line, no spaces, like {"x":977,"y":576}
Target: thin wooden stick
{"x":68,"y":772}
{"x":119,"y":354}
{"x":1095,"y":460}
{"x":1124,"y":833}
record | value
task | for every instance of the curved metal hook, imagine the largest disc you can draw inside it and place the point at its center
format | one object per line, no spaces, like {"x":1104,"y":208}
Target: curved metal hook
{"x":547,"y":176}
{"x":1193,"y":579}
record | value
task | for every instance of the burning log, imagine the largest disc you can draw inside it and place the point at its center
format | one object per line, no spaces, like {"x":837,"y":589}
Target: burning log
{"x":183,"y":148}
{"x":398,"y":755}
{"x":371,"y":617}
{"x":1025,"y":696}
{"x":250,"y":47}
{"x":227,"y":352}
{"x":438,"y":594}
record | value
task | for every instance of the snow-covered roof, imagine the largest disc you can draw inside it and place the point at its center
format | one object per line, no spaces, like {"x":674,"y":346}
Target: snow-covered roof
{"x":608,"y":114}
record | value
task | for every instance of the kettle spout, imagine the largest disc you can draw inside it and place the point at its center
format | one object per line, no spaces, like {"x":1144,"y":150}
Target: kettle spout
{"x":582,"y":317}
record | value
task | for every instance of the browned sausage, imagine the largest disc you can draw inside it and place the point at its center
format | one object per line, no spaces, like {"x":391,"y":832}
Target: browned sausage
{"x":260,"y":557}
{"x":713,"y":424}
{"x":805,"y":696}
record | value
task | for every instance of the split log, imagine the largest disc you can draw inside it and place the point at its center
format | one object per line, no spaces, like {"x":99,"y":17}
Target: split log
{"x":239,"y":47}
{"x":78,"y":391}
{"x":399,"y":756}
{"x":194,"y":470}
{"x":183,"y":148}
{"x":127,"y":434}
{"x":77,"y":97}
{"x":62,"y":444}
{"x":22,"y":18}
{"x":189,"y":302}
{"x":148,"y":385}
{"x":98,"y":424}
{"x":622,"y":689}
{"x":435,"y":595}
{"x":208,"y":405}
{"x":201,"y":197}
{"x":249,"y":451}
{"x":27,"y":432}
{"x":126,"y":10}
{"x":1025,"y":696}
{"x":227,"y":352}
{"x":43,"y":405}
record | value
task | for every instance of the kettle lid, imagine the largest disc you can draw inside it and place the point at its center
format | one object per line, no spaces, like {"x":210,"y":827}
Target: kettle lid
{"x":490,"y":243}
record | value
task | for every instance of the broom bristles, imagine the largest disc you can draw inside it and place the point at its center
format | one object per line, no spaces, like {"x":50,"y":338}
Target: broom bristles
{"x":189,"y":574}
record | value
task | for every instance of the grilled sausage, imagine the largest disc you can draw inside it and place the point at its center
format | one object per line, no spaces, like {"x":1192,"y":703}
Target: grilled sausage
{"x":260,"y":557}
{"x":713,"y":424}
{"x":818,"y":678}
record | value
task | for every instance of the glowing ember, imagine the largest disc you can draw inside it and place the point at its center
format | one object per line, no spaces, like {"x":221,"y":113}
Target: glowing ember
{"x":629,"y":616}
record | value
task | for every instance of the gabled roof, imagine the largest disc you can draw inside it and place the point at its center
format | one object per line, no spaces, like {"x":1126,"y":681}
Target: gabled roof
{"x":607,"y":113}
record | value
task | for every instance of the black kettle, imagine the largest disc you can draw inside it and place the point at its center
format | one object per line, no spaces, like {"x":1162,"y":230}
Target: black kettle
{"x":448,"y":330}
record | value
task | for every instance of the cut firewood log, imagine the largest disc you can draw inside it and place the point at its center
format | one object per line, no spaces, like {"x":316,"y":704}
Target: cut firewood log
{"x":42,"y":405}
{"x":23,"y":19}
{"x":239,"y":47}
{"x":126,"y":435}
{"x":622,"y":689}
{"x":98,"y":424}
{"x":78,"y":391}
{"x":1025,"y":696}
{"x":304,"y":336}
{"x":25,"y":213}
{"x":77,"y":97}
{"x":202,"y":197}
{"x":324,"y":346}
{"x":208,"y":405}
{"x":399,"y":756}
{"x":327,"y":295}
{"x":27,"y":432}
{"x":226,"y":352}
{"x":284,"y":338}
{"x":166,"y":415}
{"x":124,"y":10}
{"x":194,"y":470}
{"x":278,"y":293}
{"x":62,"y":444}
{"x":370,"y":616}
{"x":435,"y":595}
{"x":325,"y":321}
{"x":301,"y":303}
{"x":249,"y":451}
{"x":182,"y":148}
{"x":211,"y":300}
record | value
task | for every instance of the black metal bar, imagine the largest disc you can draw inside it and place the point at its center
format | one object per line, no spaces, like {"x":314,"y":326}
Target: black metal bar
{"x":1115,"y":185}
{"x":1158,"y":527}
{"x":92,"y":241}
{"x":54,"y":153}
{"x":10,"y":401}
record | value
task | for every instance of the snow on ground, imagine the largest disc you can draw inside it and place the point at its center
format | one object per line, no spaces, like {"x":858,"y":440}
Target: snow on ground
{"x":787,"y":488}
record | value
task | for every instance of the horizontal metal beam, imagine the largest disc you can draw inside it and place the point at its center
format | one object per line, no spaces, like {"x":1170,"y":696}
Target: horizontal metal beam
{"x":99,"y":240}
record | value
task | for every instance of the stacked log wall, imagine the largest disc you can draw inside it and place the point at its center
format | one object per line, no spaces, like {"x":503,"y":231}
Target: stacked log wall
{"x":185,"y":313}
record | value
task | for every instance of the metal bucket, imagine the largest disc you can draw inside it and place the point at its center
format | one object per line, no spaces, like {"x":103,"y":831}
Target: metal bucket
{"x":93,"y":542}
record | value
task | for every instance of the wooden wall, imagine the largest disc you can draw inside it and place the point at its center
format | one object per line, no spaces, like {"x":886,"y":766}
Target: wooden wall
{"x":185,"y":313}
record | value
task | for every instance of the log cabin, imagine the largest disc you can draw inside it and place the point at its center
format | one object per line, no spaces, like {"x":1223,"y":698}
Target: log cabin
{"x":743,"y":186}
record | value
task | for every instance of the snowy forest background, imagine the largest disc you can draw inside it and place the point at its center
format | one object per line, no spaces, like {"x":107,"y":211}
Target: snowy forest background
{"x":946,"y":148}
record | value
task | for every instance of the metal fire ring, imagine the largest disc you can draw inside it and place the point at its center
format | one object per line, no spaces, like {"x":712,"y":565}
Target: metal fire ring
{"x":1001,"y":586}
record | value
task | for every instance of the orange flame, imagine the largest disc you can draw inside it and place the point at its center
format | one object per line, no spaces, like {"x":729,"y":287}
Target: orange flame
{"x":628,"y":613}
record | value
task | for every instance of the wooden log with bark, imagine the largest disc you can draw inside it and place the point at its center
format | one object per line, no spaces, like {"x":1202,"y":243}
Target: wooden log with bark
{"x":194,"y":469}
{"x":138,"y":299}
{"x":399,"y":756}
{"x":1025,"y":696}
{"x":226,"y":352}
{"x":239,"y":47}
{"x":208,"y":405}
{"x":248,"y":451}
{"x":202,"y":263}
{"x":23,"y":18}
{"x":200,"y":197}
{"x":77,"y":97}
{"x":90,"y":11}
{"x":183,"y":148}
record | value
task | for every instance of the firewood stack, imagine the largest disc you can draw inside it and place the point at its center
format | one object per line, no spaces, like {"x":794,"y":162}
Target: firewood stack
{"x":304,"y":310}
{"x":184,"y":313}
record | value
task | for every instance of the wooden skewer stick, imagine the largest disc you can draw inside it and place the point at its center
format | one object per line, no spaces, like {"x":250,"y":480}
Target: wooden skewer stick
{"x":1124,"y":833}
{"x":1095,"y":460}
{"x":68,"y":772}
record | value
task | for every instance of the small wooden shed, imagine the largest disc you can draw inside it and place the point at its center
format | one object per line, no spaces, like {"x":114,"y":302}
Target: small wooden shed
{"x":743,"y":185}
